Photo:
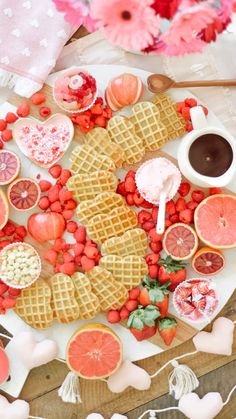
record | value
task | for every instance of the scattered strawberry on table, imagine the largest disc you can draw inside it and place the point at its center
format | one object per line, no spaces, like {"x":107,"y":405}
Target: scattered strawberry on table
{"x":167,"y":329}
{"x":142,"y":322}
{"x":172,"y":272}
{"x":156,"y":294}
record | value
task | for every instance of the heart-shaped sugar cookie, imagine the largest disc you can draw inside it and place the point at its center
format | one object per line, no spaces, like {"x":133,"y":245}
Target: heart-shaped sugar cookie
{"x":206,"y":408}
{"x":129,"y":375}
{"x":32,"y":353}
{"x":219,"y":340}
{"x":44,"y":143}
{"x":19,"y":409}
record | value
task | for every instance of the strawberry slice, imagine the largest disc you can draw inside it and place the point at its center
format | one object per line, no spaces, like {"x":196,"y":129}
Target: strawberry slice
{"x":167,"y":329}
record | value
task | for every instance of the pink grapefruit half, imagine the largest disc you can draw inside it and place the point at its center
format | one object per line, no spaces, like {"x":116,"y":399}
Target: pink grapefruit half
{"x":180,"y":241}
{"x":94,"y":351}
{"x":215,"y":221}
{"x":4,"y":209}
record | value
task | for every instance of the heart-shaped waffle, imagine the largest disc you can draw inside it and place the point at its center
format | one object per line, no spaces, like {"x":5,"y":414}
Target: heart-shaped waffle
{"x":99,"y":139}
{"x":64,"y":304}
{"x":173,"y":121}
{"x":103,"y":203}
{"x":84,"y":160}
{"x":115,"y":223}
{"x":44,"y":142}
{"x":111,"y":294}
{"x":33,"y":305}
{"x":146,"y":118}
{"x":128,"y":270}
{"x":122,"y":132}
{"x":132,"y":242}
{"x":88,"y":302}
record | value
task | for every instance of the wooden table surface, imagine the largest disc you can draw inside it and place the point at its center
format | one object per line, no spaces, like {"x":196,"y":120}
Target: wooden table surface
{"x":217,"y":373}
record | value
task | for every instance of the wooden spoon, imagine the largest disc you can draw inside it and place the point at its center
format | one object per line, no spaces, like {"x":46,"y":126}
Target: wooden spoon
{"x":159,"y":83}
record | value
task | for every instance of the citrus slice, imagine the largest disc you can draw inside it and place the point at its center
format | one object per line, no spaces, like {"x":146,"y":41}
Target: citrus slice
{"x":9,"y":167}
{"x":94,"y":352}
{"x":180,"y":241}
{"x":4,"y":209}
{"x":23,"y":194}
{"x":215,"y":221}
{"x":208,"y":261}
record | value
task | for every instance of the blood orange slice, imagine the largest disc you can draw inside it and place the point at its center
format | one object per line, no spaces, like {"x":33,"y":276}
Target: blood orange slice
{"x":215,"y":221}
{"x":23,"y":194}
{"x":180,"y":241}
{"x":9,"y":167}
{"x":208,"y":261}
{"x":4,"y":209}
{"x":94,"y":352}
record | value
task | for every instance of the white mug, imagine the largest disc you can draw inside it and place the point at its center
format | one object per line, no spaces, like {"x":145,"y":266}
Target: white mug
{"x":200,"y":128}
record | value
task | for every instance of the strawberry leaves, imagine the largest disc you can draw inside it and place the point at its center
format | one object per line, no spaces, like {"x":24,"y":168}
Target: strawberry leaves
{"x":143,"y":316}
{"x":172,"y":265}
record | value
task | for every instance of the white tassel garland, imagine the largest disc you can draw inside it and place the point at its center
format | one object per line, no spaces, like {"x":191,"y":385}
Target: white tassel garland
{"x":182,"y":380}
{"x":70,"y":389}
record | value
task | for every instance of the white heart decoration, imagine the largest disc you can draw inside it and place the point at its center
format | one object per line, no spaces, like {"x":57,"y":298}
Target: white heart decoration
{"x":19,"y":409}
{"x":206,"y":408}
{"x":127,"y":375}
{"x":219,"y":340}
{"x":118,"y":416}
{"x":98,"y":416}
{"x":32,"y":353}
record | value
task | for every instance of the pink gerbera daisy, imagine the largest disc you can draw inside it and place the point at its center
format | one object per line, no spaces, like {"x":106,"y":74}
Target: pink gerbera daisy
{"x":76,"y":13}
{"x":131,"y":24}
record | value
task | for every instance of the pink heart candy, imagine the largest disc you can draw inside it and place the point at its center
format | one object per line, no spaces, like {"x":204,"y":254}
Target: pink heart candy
{"x":219,"y":340}
{"x":206,"y":408}
{"x":32,"y":353}
{"x":127,"y":375}
{"x":4,"y":366}
{"x":44,"y":142}
{"x":19,"y":409}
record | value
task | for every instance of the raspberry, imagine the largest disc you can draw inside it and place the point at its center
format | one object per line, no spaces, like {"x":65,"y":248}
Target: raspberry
{"x":124,"y":313}
{"x":144,"y":216}
{"x":121,"y":188}
{"x":3,"y":124}
{"x":138,"y":199}
{"x":65,"y":195}
{"x":214,"y":191}
{"x":107,"y":112}
{"x":148,"y":225}
{"x":8,"y":303}
{"x":131,"y":305}
{"x":38,"y":98}
{"x":6,"y":135}
{"x":154,"y":236}
{"x":91,"y":251}
{"x":55,"y":171}
{"x":153,"y":271}
{"x":80,"y":234}
{"x":130,"y":185}
{"x":152,"y":258}
{"x":71,"y":227}
{"x":191,"y":102}
{"x":78,"y":249}
{"x":44,"y":203}
{"x":51,"y":256}
{"x":155,"y":214}
{"x":44,"y":185}
{"x":192,"y":205}
{"x":65,"y":176}
{"x":21,"y":231}
{"x":53,"y":194}
{"x":134,"y":294}
{"x":198,"y":196}
{"x":11,"y":117}
{"x":9,"y":229}
{"x":87,"y":264}
{"x":99,"y":100}
{"x":156,"y":247}
{"x":101,"y":121}
{"x":130,"y":199}
{"x":23,"y":110}
{"x":184,"y":188}
{"x":186,"y":216}
{"x":71,"y":204}
{"x":56,"y":206}
{"x":186,"y":113}
{"x":170,"y":207}
{"x":97,"y":109}
{"x":113,"y":316}
{"x":68,"y":214}
{"x":174,"y":218}
{"x":180,"y":204}
{"x":67,"y":257}
{"x":44,"y":111}
{"x":68,"y":268}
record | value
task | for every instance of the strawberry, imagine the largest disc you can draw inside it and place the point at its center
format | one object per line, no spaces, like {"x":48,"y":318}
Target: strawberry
{"x":138,"y":199}
{"x":131,"y":305}
{"x":6,"y":135}
{"x":23,"y":110}
{"x":8,"y":303}
{"x":173,"y":271}
{"x":9,"y":229}
{"x":87,"y":264}
{"x":184,"y":188}
{"x":77,"y":248}
{"x":44,"y":185}
{"x":80,"y":234}
{"x":51,"y":256}
{"x":113,"y":316}
{"x":71,"y":204}
{"x":65,"y":176}
{"x":53,"y":193}
{"x":130,"y":173}
{"x":11,"y":117}
{"x":55,"y":171}
{"x":152,"y":258}
{"x":170,"y":207}
{"x":153,"y":271}
{"x":155,"y":214}
{"x":56,"y":206}
{"x":186,"y":216}
{"x":146,"y":204}
{"x":167,"y":328}
{"x":192,"y":205}
{"x":130,"y":185}
{"x":156,"y":247}
{"x":68,"y":214}
{"x":44,"y":203}
{"x":134,"y":294}
{"x":124,"y":313}
{"x":141,"y":319}
{"x":3,"y":124}
{"x":154,"y":236}
{"x":68,"y":268}
{"x":214,"y":191}
{"x":144,"y":216}
{"x":121,"y":189}
{"x":186,"y":113}
{"x":38,"y":98}
{"x":65,"y":195}
{"x":180,"y":106}
{"x":91,"y":251}
{"x":155,"y":293}
{"x":174,"y":218}
{"x":180,"y":204}
{"x":168,"y":223}
{"x":21,"y":231}
{"x":145,"y":333}
{"x":130,"y":199}
{"x":191,"y":102}
{"x":197,"y":196}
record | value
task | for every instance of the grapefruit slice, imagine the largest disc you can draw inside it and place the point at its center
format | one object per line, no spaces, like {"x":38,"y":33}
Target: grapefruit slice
{"x":208,"y":261}
{"x":94,"y":352}
{"x":180,"y":241}
{"x":4,"y":209}
{"x":9,"y":167}
{"x":215,"y":221}
{"x":23,"y":194}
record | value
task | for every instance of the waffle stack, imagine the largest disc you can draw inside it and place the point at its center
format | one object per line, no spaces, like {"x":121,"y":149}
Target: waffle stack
{"x":84,"y":160}
{"x":172,"y":120}
{"x":102,"y":204}
{"x":101,"y":143}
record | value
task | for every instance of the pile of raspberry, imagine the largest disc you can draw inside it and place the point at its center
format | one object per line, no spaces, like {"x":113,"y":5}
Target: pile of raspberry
{"x":115,"y":316}
{"x":98,"y":115}
{"x":184,"y":109}
{"x":66,"y":257}
{"x":88,"y":89}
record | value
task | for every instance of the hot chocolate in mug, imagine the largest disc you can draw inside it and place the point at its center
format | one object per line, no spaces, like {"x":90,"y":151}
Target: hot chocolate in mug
{"x":207,"y":155}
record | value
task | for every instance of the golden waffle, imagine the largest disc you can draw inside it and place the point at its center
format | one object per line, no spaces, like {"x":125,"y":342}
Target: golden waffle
{"x":33,"y":305}
{"x":85,"y":160}
{"x":128,"y":270}
{"x":146,"y":118}
{"x":99,"y":139}
{"x":173,"y":121}
{"x":103,"y":203}
{"x":103,"y":226}
{"x":64,"y":304}
{"x":88,"y":186}
{"x":88,"y":302}
{"x":111,"y":294}
{"x":132,"y":242}
{"x":122,"y":132}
